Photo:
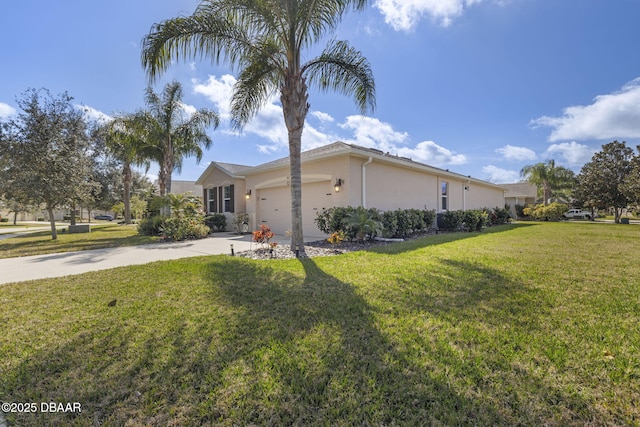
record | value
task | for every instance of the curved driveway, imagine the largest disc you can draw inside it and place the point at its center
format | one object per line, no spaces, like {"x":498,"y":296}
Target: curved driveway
{"x":69,"y":263}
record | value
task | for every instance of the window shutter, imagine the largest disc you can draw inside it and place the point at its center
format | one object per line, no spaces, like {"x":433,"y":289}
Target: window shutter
{"x":221,"y":199}
{"x":232,"y":199}
{"x":205,"y":201}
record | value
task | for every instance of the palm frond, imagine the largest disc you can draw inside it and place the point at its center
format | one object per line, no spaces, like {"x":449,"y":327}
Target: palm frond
{"x":257,"y":83}
{"x":343,"y":69}
{"x":202,"y":35}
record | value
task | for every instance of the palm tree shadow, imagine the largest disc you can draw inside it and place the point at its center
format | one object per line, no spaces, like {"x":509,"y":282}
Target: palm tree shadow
{"x":442,"y":238}
{"x":317,"y":342}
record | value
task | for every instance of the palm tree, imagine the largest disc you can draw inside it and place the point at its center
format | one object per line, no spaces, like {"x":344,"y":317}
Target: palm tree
{"x":265,"y":40}
{"x":125,"y":140}
{"x":552,"y":179}
{"x":172,"y":133}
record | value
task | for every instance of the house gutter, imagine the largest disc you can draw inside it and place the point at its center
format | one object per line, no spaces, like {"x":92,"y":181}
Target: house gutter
{"x":364,"y":181}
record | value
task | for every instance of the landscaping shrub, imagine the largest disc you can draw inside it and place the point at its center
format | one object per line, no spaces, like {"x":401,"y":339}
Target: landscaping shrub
{"x":520,"y":211}
{"x":498,"y":216}
{"x":361,"y":224}
{"x":475,"y":219}
{"x":389,"y":224}
{"x":403,"y":222}
{"x":429,"y":218}
{"x":216,"y":222}
{"x":180,"y":227}
{"x":453,"y":220}
{"x":416,"y":219}
{"x":151,"y":226}
{"x":263,"y":235}
{"x":332,"y":219}
{"x":240,"y":220}
{"x":552,"y":212}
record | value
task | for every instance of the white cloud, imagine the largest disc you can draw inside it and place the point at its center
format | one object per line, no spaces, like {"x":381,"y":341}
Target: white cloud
{"x":6,"y":110}
{"x":372,"y":133}
{"x":323,"y":117}
{"x":574,"y":154}
{"x":96,"y":115}
{"x":189,"y":110}
{"x":433,"y":154}
{"x":500,"y":176}
{"x":405,"y":14}
{"x":218,"y":91}
{"x":365,"y":131}
{"x":611,"y":116}
{"x":510,"y":152}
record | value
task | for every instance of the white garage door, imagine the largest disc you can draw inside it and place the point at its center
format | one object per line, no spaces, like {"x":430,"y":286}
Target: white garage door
{"x":274,"y":207}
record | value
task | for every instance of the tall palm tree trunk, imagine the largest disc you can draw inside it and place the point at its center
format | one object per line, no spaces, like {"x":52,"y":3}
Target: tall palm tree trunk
{"x":126,"y":194}
{"x":295,"y":148}
{"x":295,"y":106}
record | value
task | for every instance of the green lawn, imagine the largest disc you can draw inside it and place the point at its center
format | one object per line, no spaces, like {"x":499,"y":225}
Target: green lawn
{"x":533,"y":324}
{"x":101,"y":236}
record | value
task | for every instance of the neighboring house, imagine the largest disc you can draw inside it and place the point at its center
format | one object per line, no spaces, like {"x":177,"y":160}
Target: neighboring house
{"x":58,"y":215}
{"x":183,"y":187}
{"x":339,"y":174}
{"x":521,"y":193}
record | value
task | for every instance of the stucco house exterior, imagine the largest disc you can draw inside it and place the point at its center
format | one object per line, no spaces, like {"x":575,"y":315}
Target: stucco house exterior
{"x":339,"y":174}
{"x":521,"y":193}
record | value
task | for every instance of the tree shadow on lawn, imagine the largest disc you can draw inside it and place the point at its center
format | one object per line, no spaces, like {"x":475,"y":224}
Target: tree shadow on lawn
{"x":320,"y":353}
{"x":441,"y":238}
{"x":313,"y":354}
{"x":290,"y":345}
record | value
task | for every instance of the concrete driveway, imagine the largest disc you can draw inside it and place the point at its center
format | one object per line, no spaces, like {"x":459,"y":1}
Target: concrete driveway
{"x":70,"y":263}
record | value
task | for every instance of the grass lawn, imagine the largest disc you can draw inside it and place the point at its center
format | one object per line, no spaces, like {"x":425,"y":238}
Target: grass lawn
{"x":101,"y":236}
{"x":533,"y":324}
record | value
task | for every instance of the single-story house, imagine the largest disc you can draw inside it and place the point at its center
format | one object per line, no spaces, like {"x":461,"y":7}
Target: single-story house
{"x":521,"y":193}
{"x":339,"y":174}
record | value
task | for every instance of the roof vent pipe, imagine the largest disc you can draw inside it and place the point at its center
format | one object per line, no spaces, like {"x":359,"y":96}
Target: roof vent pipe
{"x":364,"y":181}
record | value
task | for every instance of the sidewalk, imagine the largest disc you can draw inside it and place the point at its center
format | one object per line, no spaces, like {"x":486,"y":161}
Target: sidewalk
{"x":70,"y":263}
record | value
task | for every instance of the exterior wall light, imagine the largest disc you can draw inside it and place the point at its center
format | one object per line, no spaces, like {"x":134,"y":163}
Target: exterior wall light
{"x":248,"y":195}
{"x":337,"y":185}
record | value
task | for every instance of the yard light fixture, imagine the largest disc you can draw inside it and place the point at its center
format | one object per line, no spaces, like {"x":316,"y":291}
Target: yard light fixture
{"x":232,"y":252}
{"x":248,"y":195}
{"x":337,"y":185}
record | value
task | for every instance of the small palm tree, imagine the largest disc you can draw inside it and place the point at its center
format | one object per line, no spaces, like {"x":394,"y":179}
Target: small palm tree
{"x":361,"y":222}
{"x":172,"y":133}
{"x":549,"y":178}
{"x":265,"y":40}
{"x":125,"y":141}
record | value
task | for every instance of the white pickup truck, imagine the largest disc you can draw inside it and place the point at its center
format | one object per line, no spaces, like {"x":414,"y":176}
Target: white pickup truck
{"x":577,"y":214}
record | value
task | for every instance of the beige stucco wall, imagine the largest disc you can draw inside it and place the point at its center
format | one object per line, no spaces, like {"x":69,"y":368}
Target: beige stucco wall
{"x":270,"y":201}
{"x":479,"y":196}
{"x":389,"y":186}
{"x":217,"y":178}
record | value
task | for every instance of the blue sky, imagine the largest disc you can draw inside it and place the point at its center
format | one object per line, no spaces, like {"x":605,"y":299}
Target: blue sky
{"x":480,"y":87}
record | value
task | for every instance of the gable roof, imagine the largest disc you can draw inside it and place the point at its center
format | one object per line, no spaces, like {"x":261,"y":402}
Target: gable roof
{"x":336,"y":149}
{"x":231,"y":169}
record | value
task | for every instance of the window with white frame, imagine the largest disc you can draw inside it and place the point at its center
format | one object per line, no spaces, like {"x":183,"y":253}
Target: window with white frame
{"x":444,"y":186}
{"x":227,"y":198}
{"x":212,"y":202}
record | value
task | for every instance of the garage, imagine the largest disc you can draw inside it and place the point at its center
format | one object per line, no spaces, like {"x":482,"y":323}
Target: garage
{"x":274,"y":207}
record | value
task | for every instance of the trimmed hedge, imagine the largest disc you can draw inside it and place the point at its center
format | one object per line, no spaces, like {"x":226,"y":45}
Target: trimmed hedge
{"x":399,"y":223}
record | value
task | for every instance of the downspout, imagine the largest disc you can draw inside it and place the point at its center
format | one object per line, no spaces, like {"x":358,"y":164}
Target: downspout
{"x":364,"y":181}
{"x":464,"y":195}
